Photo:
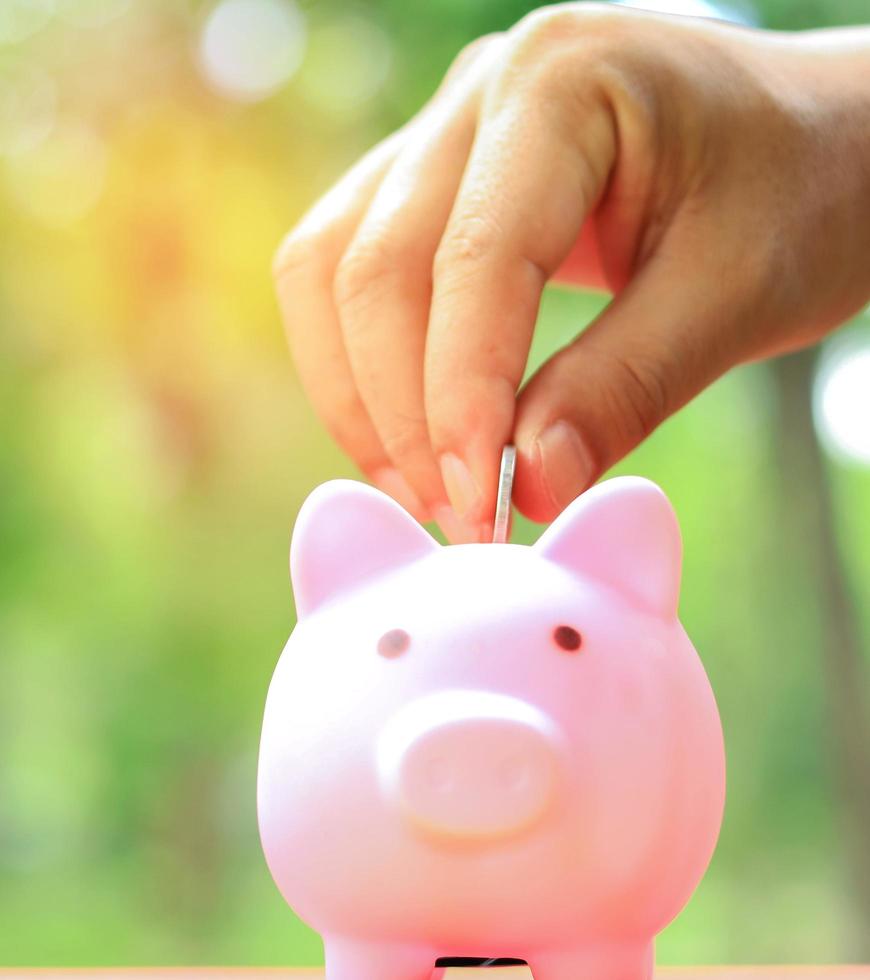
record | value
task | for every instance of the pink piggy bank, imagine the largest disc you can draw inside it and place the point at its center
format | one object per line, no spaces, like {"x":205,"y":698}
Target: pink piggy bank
{"x":489,"y":750}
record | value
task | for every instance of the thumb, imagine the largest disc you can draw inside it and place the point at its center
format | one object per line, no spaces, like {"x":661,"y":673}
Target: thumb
{"x":660,"y":342}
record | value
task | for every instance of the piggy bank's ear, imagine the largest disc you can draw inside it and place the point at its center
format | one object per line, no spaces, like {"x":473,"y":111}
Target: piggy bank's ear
{"x":622,"y":532}
{"x":346,"y":533}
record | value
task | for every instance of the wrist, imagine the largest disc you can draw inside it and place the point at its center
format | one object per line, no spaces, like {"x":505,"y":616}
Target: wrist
{"x":829,"y":96}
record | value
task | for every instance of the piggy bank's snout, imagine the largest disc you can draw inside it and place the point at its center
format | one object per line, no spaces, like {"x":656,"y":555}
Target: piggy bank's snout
{"x":469,"y":764}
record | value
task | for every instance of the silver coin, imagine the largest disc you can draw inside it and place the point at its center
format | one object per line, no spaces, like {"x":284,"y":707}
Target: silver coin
{"x":502,"y":525}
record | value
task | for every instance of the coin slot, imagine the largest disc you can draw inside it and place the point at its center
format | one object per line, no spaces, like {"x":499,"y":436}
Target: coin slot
{"x":445,"y":961}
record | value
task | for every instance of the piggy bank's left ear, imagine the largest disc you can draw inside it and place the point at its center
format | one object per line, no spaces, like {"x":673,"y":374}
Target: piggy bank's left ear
{"x":624,"y":533}
{"x":346,"y":533}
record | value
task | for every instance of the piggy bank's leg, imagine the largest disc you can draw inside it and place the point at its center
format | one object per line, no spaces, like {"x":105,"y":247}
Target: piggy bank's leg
{"x":351,"y":959}
{"x":594,"y":963}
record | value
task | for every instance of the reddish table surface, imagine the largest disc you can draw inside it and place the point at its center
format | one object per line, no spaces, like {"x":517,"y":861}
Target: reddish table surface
{"x":453,"y":973}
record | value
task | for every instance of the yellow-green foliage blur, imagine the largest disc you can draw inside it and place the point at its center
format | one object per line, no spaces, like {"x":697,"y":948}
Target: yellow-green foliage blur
{"x":155,"y":447}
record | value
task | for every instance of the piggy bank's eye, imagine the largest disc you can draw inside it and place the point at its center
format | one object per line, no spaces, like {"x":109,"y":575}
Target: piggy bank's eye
{"x":393,"y":643}
{"x":567,"y":638}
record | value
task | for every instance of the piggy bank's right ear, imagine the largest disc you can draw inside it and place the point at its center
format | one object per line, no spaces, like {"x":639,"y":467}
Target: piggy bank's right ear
{"x":622,"y":532}
{"x":346,"y":533}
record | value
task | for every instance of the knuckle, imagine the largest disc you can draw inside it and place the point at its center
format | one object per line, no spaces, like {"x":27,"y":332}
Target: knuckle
{"x":592,"y":44}
{"x":549,"y":27}
{"x":362,"y":272}
{"x":563,"y":51}
{"x":470,"y":52}
{"x":297,"y":253}
{"x":404,"y":439}
{"x":539,"y":29}
{"x":638,"y":395}
{"x":468,"y":243}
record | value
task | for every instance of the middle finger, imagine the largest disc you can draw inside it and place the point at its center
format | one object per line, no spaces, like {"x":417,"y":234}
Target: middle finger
{"x":383,"y":290}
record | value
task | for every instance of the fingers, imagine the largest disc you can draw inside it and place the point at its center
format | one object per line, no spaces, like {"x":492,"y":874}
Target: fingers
{"x":660,"y":342}
{"x":304,"y":268}
{"x":383,"y":290}
{"x":313,"y":270}
{"x":530,"y":182}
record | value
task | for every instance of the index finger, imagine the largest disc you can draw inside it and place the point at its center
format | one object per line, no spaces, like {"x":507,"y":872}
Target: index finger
{"x":530,"y":182}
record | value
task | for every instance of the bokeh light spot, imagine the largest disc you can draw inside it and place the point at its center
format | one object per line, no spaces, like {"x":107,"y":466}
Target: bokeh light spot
{"x":60,"y":179}
{"x":250,"y":48}
{"x":841,"y":402}
{"x":19,"y":19}
{"x":348,"y":61}
{"x":28,"y":104}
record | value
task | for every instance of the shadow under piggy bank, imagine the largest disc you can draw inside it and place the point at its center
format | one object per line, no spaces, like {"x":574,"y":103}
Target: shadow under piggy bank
{"x":458,"y":967}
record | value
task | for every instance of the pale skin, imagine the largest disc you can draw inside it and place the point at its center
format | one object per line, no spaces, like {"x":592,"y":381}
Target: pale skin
{"x":714,"y":179}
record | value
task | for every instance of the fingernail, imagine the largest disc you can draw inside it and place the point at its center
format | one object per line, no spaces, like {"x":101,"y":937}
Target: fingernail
{"x":455,"y":530}
{"x":566,"y":463}
{"x":391,"y":481}
{"x":463,"y":491}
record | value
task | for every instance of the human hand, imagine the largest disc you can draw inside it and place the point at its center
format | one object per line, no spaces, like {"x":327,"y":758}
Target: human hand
{"x":716,"y":179}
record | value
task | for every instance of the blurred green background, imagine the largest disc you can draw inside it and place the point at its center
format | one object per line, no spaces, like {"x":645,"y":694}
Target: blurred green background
{"x":155,"y":447}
